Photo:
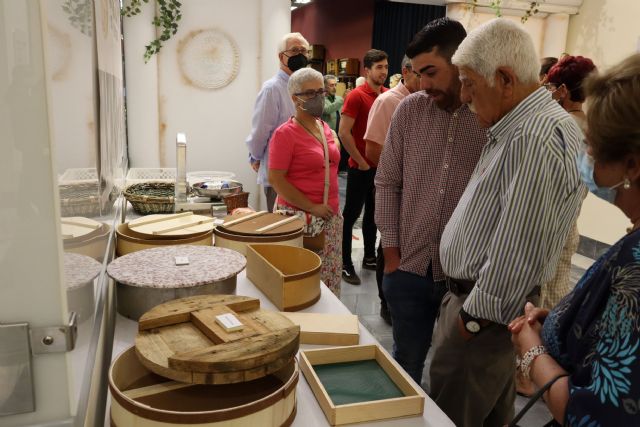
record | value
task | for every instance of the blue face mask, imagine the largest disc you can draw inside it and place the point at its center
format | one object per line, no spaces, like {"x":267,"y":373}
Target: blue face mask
{"x":585,"y":166}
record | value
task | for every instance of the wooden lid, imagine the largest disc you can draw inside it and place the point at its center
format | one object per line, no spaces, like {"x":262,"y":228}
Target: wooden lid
{"x":78,"y":228}
{"x":182,"y":340}
{"x":170,"y":226}
{"x":261,"y":223}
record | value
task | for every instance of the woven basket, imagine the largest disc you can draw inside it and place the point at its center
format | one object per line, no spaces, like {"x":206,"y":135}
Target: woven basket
{"x":151,"y":197}
{"x":233,"y":201}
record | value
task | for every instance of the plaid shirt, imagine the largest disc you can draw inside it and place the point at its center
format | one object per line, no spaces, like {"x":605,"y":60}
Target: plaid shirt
{"x":427,"y":160}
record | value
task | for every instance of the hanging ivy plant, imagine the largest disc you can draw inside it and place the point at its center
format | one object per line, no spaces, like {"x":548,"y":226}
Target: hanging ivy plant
{"x":167,"y":21}
{"x":496,"y":5}
{"x":533,"y":9}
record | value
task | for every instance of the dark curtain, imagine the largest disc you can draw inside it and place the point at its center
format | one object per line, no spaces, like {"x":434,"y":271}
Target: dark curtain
{"x":394,"y":25}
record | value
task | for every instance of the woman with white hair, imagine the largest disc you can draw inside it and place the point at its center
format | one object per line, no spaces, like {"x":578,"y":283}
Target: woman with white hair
{"x":303,"y":169}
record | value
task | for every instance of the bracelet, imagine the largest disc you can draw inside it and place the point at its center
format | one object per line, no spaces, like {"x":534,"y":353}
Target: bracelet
{"x":529,"y":357}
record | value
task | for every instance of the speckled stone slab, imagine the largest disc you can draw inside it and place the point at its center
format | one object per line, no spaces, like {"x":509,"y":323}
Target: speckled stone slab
{"x":79,"y":270}
{"x":156,"y":268}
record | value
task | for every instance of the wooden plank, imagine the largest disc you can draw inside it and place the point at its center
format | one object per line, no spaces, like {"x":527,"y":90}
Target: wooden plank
{"x":318,"y":389}
{"x":183,"y":226}
{"x":150,"y":390}
{"x":326,"y":329}
{"x":341,"y":354}
{"x":240,"y":355}
{"x":267,"y":278}
{"x":244,"y":218}
{"x":80,"y":224}
{"x":276,"y":224}
{"x":379,"y":410}
{"x":179,"y":310}
{"x":397,"y":374}
{"x":205,"y":321}
{"x":158,"y":218}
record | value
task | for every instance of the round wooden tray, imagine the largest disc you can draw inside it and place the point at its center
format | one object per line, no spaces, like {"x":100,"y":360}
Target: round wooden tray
{"x":78,"y":229}
{"x":170,"y":226}
{"x":183,"y":340}
{"x":261,"y":224}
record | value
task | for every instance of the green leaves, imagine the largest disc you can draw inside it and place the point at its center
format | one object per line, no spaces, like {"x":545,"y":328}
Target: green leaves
{"x":166,"y":20}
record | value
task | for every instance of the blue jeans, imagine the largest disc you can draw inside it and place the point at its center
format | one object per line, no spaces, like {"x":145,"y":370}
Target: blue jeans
{"x":414,"y":302}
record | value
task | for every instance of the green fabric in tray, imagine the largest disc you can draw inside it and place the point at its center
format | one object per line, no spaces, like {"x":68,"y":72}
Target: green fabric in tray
{"x":355,"y":382}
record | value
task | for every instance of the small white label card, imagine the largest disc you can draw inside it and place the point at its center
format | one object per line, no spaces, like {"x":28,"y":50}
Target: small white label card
{"x":182,"y":260}
{"x":218,"y":221}
{"x":229,"y":322}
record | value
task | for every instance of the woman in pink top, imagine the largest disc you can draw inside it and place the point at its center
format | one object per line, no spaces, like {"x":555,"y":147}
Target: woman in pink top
{"x":297,"y":168}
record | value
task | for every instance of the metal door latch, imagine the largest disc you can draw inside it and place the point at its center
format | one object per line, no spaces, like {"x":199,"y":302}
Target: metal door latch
{"x":55,"y":339}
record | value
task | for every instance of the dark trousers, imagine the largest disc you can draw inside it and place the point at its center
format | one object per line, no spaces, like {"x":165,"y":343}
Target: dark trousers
{"x":472,"y":381}
{"x":360,"y":192}
{"x":270,"y":195}
{"x":413,"y":301}
{"x":380,"y":274}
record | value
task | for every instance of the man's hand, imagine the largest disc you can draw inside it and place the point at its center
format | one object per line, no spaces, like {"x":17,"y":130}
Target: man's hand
{"x":391,"y":259}
{"x":364,"y":166}
{"x":321,"y":210}
{"x":255,"y":165}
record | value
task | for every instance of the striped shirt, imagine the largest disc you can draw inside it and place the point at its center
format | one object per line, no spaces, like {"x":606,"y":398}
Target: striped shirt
{"x":513,"y":219}
{"x":427,"y":159}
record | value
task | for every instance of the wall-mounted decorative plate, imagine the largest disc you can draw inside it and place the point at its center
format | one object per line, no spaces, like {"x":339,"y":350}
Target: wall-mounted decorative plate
{"x":208,"y":59}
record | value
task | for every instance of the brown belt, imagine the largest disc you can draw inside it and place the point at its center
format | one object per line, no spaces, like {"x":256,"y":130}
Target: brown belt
{"x":460,"y":287}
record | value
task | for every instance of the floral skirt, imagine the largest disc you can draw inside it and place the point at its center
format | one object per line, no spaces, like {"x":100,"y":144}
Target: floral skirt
{"x":331,"y":254}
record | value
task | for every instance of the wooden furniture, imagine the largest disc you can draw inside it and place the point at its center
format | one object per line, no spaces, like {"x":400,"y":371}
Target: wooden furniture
{"x":332,"y":66}
{"x":349,"y":66}
{"x":152,"y":276}
{"x":259,"y":227}
{"x":411,"y":402}
{"x":181,"y":340}
{"x":128,"y":241}
{"x":85,"y":236}
{"x":141,"y":398}
{"x":326,"y":328}
{"x":288,"y":276}
{"x":316,"y":52}
{"x":309,"y":413}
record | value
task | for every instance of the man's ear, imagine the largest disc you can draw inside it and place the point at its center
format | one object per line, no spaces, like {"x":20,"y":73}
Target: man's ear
{"x":633,"y":168}
{"x":506,"y":78}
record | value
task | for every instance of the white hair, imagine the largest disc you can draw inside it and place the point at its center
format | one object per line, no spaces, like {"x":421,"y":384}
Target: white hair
{"x":499,"y":43}
{"x":360,"y":81}
{"x":300,"y":77}
{"x":282,"y":46}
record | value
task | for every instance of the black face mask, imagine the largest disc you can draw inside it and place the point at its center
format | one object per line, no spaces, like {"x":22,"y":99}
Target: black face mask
{"x":297,"y":62}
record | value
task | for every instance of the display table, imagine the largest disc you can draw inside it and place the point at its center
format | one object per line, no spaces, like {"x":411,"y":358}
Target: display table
{"x":309,"y":413}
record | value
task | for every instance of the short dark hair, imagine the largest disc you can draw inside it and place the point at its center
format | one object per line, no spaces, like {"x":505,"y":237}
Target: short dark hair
{"x":442,"y":33}
{"x":372,"y":56}
{"x":546,"y":64}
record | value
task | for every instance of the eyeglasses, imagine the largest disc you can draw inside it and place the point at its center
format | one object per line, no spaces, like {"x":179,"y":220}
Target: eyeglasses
{"x":311,"y":93}
{"x":551,"y":87}
{"x":297,"y":51}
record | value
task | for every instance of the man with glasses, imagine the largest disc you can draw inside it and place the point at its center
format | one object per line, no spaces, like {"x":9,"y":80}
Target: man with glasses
{"x":273,"y":107}
{"x":353,"y":124}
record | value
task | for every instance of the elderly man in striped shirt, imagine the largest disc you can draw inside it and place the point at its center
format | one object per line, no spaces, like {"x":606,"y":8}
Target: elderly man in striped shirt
{"x":431,"y":149}
{"x":504,"y":238}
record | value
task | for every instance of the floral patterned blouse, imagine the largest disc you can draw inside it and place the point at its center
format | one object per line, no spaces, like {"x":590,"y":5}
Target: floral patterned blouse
{"x":594,"y":334}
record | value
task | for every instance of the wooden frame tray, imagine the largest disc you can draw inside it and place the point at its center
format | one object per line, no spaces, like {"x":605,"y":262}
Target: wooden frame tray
{"x":289,"y":276}
{"x":411,"y":402}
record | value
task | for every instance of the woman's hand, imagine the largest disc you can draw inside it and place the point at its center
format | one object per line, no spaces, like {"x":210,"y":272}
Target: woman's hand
{"x":528,"y":334}
{"x":364,"y":166}
{"x":321,"y":210}
{"x":536,"y":314}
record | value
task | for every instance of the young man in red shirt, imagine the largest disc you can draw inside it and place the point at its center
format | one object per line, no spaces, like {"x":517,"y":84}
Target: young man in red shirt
{"x":360,"y":187}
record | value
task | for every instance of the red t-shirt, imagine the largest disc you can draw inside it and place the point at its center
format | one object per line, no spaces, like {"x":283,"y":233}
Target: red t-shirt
{"x":292,"y":149}
{"x":357,"y":106}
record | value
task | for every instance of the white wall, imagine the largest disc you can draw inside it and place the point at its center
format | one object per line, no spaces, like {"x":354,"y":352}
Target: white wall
{"x":161,"y":103}
{"x":71,"y":79}
{"x":606,"y":31}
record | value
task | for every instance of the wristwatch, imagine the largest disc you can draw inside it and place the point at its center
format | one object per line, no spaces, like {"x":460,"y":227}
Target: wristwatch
{"x":471,"y":324}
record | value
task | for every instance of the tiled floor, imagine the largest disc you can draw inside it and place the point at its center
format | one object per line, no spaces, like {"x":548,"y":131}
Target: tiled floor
{"x":363,"y":300}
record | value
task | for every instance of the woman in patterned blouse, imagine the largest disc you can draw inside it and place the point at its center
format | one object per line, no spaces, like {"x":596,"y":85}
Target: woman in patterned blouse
{"x":588,"y":346}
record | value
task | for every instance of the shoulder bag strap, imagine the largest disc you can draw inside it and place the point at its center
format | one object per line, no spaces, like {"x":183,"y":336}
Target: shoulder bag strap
{"x":327,"y":170}
{"x":534,"y":398}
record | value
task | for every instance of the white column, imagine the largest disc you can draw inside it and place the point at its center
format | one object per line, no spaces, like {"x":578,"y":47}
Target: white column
{"x":554,"y":40}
